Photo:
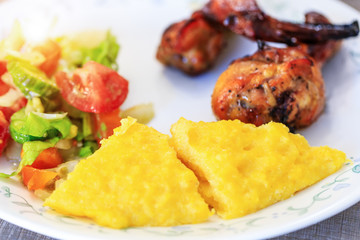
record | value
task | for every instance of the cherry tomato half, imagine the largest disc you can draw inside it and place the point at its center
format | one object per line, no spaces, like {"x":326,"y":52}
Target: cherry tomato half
{"x":93,"y":88}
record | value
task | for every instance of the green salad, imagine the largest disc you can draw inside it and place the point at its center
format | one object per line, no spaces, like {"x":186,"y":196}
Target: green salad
{"x":58,"y":99}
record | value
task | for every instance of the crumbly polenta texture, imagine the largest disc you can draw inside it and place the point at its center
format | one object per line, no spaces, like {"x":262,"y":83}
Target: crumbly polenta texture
{"x":243,"y":168}
{"x":134,"y":179}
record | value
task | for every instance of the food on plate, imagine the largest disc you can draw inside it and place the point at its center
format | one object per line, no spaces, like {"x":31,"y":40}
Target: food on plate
{"x":191,"y":45}
{"x":243,"y":168}
{"x":134,"y":179}
{"x":274,"y":84}
{"x":58,"y":99}
{"x":244,"y":17}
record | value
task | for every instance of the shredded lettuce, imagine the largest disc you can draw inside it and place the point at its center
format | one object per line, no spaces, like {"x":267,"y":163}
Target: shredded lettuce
{"x":62,"y":125}
{"x":75,"y":54}
{"x":30,"y":127}
{"x":35,"y":126}
{"x":105,"y":53}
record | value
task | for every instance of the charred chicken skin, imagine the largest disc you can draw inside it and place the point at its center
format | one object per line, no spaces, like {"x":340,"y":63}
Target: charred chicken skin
{"x":244,"y":17}
{"x":275,"y":84}
{"x":191,"y":45}
{"x":321,"y":52}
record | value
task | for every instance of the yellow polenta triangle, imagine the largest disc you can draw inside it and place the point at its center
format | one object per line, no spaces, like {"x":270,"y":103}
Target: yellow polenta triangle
{"x":134,"y":179}
{"x":243,"y":168}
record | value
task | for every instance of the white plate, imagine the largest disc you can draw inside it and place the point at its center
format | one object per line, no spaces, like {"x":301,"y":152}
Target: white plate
{"x":138,"y":26}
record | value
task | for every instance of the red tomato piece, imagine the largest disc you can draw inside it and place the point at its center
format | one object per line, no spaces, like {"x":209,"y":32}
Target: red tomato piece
{"x":93,"y":88}
{"x":4,"y":88}
{"x":4,"y":132}
{"x":52,"y":53}
{"x":36,"y":178}
{"x":3,"y":68}
{"x":48,"y":158}
{"x":104,"y":123}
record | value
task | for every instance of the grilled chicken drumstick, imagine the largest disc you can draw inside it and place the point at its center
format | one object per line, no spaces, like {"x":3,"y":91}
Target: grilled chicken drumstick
{"x":244,"y":17}
{"x":274,"y":84}
{"x":191,"y":45}
{"x":282,"y":85}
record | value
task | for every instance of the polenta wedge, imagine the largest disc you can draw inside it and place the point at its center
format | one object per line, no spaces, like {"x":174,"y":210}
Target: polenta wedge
{"x":243,"y":168}
{"x":134,"y":179}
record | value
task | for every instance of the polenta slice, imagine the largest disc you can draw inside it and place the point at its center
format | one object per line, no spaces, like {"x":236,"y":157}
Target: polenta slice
{"x":134,"y":179}
{"x":243,"y":168}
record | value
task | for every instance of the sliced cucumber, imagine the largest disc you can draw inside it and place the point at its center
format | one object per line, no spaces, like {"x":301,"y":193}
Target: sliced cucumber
{"x":30,"y":80}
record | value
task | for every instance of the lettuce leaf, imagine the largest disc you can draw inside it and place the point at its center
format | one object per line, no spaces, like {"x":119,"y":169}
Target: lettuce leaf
{"x":75,"y":53}
{"x":32,"y":127}
{"x":105,"y":54}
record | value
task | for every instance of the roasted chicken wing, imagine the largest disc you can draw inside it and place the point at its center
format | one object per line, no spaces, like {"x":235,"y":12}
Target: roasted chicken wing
{"x":274,"y":84}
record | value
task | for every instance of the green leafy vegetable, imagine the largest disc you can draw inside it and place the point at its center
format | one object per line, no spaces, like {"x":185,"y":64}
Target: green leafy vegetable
{"x":76,"y":53}
{"x":105,"y":53}
{"x":33,"y":127}
{"x":89,"y":148}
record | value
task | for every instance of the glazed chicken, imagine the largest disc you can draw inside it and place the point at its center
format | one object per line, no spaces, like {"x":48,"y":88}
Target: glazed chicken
{"x":193,"y":45}
{"x":274,"y":84}
{"x":283,"y":85}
